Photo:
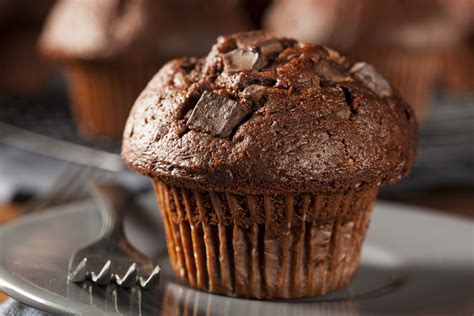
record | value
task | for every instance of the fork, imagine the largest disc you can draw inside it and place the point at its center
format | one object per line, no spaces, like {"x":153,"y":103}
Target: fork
{"x":112,"y":258}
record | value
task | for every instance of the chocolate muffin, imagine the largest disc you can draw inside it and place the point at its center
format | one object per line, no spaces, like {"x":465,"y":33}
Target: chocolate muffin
{"x":111,"y":48}
{"x":457,"y":75}
{"x":266,"y":158}
{"x":23,"y":70}
{"x":255,"y":10}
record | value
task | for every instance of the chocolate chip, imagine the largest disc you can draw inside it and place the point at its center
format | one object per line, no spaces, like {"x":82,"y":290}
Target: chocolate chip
{"x":253,"y":93}
{"x":225,"y":44}
{"x":252,"y":39}
{"x":216,"y":114}
{"x":241,"y":59}
{"x":289,"y":54}
{"x":254,"y":90}
{"x":270,"y":48}
{"x":331,"y":71}
{"x":332,"y":54}
{"x":372,"y":79}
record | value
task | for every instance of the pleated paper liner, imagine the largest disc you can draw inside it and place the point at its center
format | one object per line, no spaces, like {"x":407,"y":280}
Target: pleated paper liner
{"x":103,"y":94}
{"x":23,"y":70}
{"x":457,"y":76}
{"x":265,"y":246}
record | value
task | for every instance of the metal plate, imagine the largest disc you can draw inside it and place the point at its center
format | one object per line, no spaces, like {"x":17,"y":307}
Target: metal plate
{"x":413,"y":262}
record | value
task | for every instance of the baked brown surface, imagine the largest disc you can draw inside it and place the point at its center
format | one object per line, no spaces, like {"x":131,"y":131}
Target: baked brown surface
{"x":293,"y":117}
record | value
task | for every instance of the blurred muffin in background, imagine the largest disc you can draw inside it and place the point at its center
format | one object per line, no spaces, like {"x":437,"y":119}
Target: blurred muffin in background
{"x":459,"y":63}
{"x":111,"y":48}
{"x":255,"y":10}
{"x":333,"y":23}
{"x":409,"y":40}
{"x":416,"y":44}
{"x":23,"y":71}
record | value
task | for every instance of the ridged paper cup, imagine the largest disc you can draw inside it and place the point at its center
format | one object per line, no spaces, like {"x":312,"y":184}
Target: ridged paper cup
{"x":23,"y":70}
{"x":458,"y":76}
{"x":103,"y":94}
{"x":265,"y":246}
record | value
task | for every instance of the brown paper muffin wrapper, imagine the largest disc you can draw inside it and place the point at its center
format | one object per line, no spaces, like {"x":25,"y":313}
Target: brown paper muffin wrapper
{"x":23,"y":70}
{"x":457,"y":76}
{"x":103,"y":94}
{"x":265,"y":246}
{"x":412,"y":74}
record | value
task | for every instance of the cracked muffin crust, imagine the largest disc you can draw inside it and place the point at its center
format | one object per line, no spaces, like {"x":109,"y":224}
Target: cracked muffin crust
{"x":264,"y":114}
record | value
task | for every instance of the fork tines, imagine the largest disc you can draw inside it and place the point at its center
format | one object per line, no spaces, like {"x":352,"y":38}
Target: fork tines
{"x":106,"y":276}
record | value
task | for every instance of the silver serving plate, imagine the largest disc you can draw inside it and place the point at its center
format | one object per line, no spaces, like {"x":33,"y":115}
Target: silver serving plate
{"x":413,"y":261}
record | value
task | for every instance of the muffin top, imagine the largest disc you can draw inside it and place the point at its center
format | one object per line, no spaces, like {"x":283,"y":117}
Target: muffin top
{"x":92,"y":29}
{"x":18,"y":15}
{"x":262,"y":114}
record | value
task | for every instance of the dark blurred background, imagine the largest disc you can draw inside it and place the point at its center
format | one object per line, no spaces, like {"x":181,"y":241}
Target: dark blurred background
{"x":70,"y":71}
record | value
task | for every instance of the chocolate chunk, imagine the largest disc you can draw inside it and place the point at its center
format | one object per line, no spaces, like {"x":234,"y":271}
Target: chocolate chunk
{"x":289,"y":54}
{"x":270,"y":48}
{"x":216,"y":115}
{"x":331,"y":71}
{"x":252,"y":39}
{"x":225,"y":44}
{"x":372,"y":79}
{"x":332,"y":53}
{"x":253,"y":93}
{"x":241,"y":59}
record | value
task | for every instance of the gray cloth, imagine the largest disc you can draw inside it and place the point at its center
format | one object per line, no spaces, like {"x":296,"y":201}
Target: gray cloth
{"x":20,"y":170}
{"x":15,"y":308}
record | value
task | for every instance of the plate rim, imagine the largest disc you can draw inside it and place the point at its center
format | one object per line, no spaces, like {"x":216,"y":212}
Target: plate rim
{"x":7,"y":281}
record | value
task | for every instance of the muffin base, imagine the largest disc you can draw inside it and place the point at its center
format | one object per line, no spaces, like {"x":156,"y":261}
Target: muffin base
{"x":103,"y":94}
{"x":265,"y":246}
{"x":457,"y":76}
{"x":23,"y":69}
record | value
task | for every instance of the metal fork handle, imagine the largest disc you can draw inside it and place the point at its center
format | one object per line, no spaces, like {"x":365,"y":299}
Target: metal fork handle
{"x":112,"y":200}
